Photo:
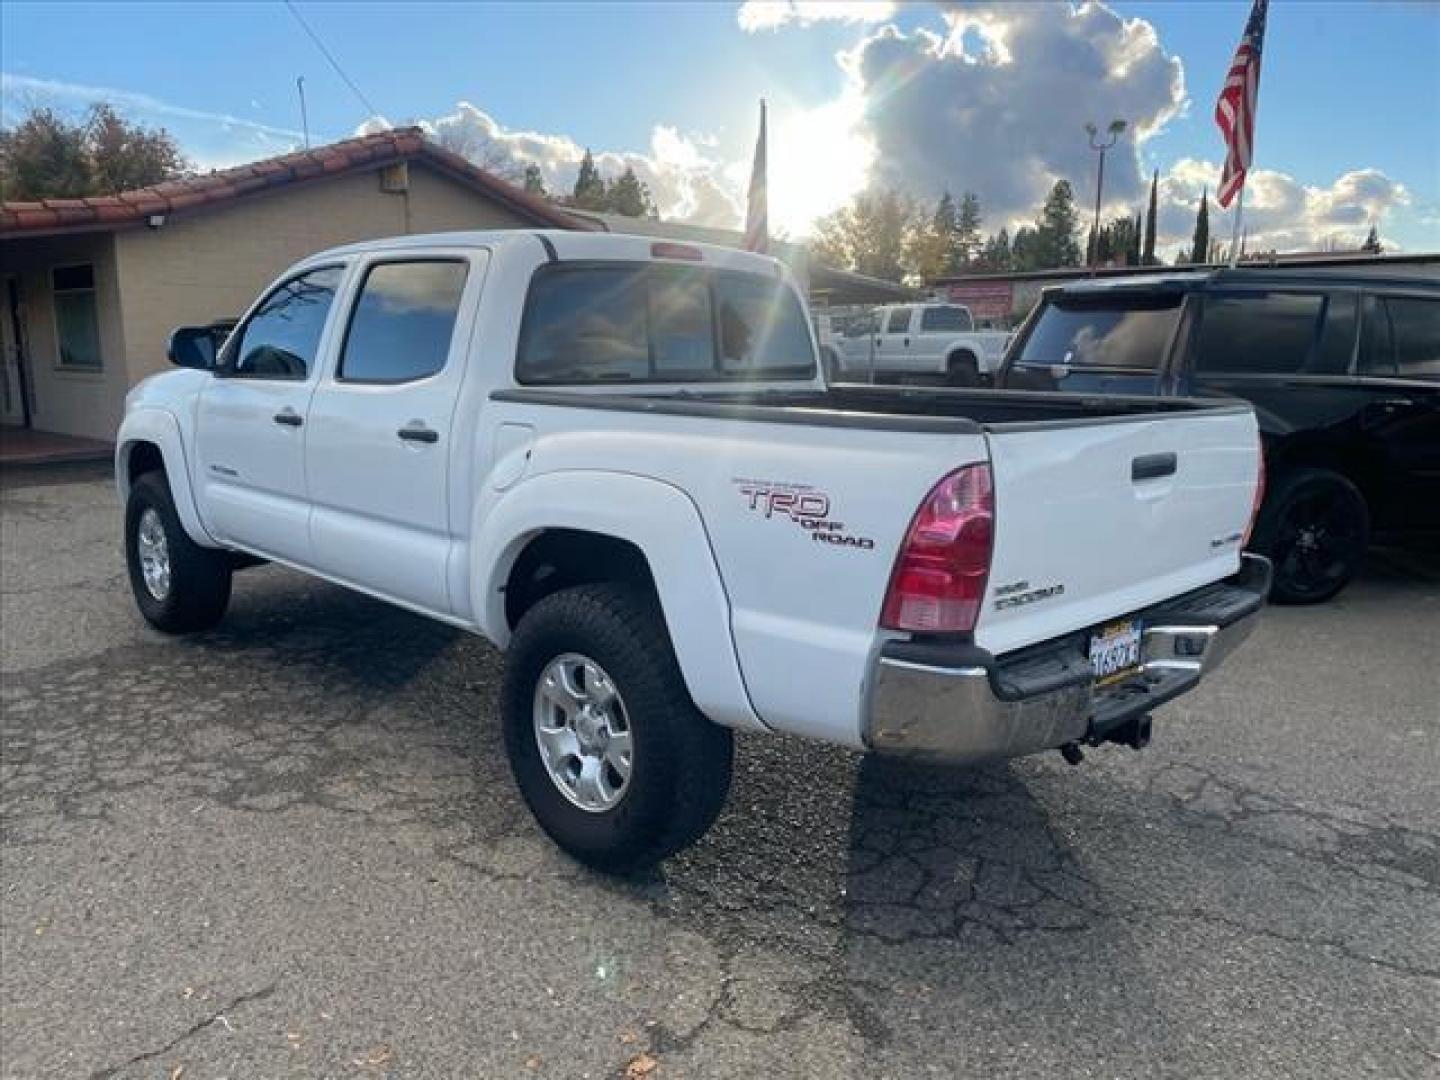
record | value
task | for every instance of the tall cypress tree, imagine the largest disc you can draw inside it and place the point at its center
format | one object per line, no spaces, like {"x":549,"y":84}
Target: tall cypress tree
{"x":1200,"y":244}
{"x":1148,"y":255}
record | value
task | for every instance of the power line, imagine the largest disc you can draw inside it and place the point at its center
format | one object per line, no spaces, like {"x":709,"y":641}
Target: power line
{"x":333,"y":62}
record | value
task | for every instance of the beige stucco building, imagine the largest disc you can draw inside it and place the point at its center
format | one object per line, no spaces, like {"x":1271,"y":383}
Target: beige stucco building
{"x":91,"y":288}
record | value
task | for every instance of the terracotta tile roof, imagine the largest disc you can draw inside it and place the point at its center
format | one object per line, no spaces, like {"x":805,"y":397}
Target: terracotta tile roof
{"x":196,"y":194}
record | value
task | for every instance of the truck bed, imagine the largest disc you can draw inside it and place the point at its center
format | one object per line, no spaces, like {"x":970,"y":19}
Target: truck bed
{"x":887,"y":408}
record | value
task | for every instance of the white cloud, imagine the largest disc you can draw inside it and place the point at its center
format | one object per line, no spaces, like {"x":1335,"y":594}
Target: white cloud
{"x":1281,"y":213}
{"x":20,"y":91}
{"x":687,"y":181}
{"x":756,"y":15}
{"x":997,"y":104}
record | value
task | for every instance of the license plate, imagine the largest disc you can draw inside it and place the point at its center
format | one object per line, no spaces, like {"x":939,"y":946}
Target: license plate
{"x":1115,"y":650}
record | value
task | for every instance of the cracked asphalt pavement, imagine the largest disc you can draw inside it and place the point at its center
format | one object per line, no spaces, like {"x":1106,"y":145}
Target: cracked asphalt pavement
{"x":291,"y":848}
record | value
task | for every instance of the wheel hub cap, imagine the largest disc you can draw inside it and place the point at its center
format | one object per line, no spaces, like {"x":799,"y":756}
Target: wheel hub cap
{"x":583,"y":732}
{"x":154,"y":553}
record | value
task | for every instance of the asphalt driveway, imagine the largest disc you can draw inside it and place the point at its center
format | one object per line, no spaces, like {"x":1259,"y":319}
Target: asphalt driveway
{"x":291,"y":848}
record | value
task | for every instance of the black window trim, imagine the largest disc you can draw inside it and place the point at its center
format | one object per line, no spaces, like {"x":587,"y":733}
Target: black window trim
{"x":358,"y":290}
{"x":225,"y":362}
{"x":718,"y":375}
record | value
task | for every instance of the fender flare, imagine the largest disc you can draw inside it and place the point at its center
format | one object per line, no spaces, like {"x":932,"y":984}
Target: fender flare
{"x":160,"y":428}
{"x":665,"y":525}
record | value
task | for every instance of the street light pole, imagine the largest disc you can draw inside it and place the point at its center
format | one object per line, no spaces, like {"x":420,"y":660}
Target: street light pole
{"x":1114,"y":131}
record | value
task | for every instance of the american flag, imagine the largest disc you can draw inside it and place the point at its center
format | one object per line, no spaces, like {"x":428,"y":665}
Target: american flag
{"x":1235,"y":110}
{"x":757,"y":225}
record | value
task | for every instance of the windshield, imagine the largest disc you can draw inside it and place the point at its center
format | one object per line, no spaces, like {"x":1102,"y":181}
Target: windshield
{"x":1132,"y":333}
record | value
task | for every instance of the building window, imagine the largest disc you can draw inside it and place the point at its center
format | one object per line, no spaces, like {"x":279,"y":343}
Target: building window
{"x":77,"y":327}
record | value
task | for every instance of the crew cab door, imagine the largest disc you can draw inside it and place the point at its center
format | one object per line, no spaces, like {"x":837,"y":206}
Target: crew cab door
{"x":250,"y":427}
{"x":1399,"y":420}
{"x":379,"y":434}
{"x":893,"y":340}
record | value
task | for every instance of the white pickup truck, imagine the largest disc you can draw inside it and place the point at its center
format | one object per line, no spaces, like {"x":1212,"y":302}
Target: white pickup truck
{"x":932,"y":340}
{"x":615,"y":459}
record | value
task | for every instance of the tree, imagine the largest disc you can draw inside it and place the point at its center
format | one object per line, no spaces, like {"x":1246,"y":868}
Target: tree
{"x":47,"y":156}
{"x":1372,"y":242}
{"x":995,"y":255}
{"x":930,"y":250}
{"x":873,"y":235}
{"x":945,"y":227}
{"x":967,"y":229}
{"x":589,"y":192}
{"x":1148,"y":254}
{"x":1025,"y":251}
{"x":1200,"y":242}
{"x":1132,"y":253}
{"x":1055,"y":230}
{"x":534,"y":182}
{"x":629,"y":196}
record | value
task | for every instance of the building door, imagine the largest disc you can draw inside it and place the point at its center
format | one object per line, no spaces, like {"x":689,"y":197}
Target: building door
{"x":14,"y":379}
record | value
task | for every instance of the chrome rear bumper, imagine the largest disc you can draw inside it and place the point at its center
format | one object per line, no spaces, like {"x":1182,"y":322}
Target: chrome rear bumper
{"x":959,"y":703}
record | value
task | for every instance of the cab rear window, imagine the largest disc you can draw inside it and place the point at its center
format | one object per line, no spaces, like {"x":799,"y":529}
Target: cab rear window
{"x":654,"y":323}
{"x":1120,"y":332}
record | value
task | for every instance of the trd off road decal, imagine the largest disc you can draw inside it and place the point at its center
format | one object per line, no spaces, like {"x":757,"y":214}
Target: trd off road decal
{"x":803,"y":506}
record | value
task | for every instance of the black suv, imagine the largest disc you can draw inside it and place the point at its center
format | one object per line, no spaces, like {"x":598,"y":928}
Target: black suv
{"x":1342,"y":367}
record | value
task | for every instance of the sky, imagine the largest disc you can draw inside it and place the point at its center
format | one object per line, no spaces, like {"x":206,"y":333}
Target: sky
{"x":980,"y":96}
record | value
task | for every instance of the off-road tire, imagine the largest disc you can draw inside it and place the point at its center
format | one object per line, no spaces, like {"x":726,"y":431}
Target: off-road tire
{"x":681,"y":761}
{"x":1296,"y":497}
{"x":199,"y":576}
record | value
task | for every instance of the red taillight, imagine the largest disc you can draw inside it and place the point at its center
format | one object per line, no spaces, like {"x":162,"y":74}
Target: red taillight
{"x":1259,"y":498}
{"x":939,"y":578}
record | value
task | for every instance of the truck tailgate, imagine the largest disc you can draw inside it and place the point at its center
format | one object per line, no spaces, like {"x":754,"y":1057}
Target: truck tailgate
{"x":1096,"y":519}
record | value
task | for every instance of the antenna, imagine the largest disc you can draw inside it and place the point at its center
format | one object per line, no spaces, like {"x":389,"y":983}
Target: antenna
{"x":304,"y":117}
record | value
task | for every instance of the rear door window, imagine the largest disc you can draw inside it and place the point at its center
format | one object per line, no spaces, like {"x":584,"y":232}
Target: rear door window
{"x":1258,"y":333}
{"x":637,"y":323}
{"x":1124,"y":333}
{"x":1415,"y":335}
{"x":899,"y":321}
{"x":402,"y":322}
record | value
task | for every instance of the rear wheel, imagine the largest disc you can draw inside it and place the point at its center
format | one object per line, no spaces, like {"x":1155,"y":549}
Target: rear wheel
{"x":179,"y":586}
{"x":608,"y":750}
{"x":1315,"y":528}
{"x":962,"y":369}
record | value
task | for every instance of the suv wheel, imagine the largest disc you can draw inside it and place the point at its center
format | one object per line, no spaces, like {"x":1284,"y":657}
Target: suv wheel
{"x":179,"y":586}
{"x":1315,"y":528}
{"x":608,"y":750}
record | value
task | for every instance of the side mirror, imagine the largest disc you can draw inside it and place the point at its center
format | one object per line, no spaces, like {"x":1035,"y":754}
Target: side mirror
{"x":198,"y":346}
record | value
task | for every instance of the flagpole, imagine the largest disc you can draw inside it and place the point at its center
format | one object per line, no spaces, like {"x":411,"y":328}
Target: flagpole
{"x":1235,"y":230}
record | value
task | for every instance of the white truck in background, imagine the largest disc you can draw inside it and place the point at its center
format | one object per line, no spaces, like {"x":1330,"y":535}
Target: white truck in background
{"x":930,"y":340}
{"x":615,"y":458}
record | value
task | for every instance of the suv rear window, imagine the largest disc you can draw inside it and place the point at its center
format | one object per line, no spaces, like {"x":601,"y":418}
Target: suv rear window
{"x":945,"y":318}
{"x":1258,"y":333}
{"x":1131,"y":333}
{"x":636,"y":323}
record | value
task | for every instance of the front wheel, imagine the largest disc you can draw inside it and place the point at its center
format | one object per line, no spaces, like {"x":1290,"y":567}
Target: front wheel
{"x":613,"y":758}
{"x":179,"y":586}
{"x":1315,"y":528}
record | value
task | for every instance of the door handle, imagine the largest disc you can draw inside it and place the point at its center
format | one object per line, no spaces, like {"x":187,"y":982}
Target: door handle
{"x":418,"y":434}
{"x":907,"y":342}
{"x":1153,"y":466}
{"x":289,"y":417}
